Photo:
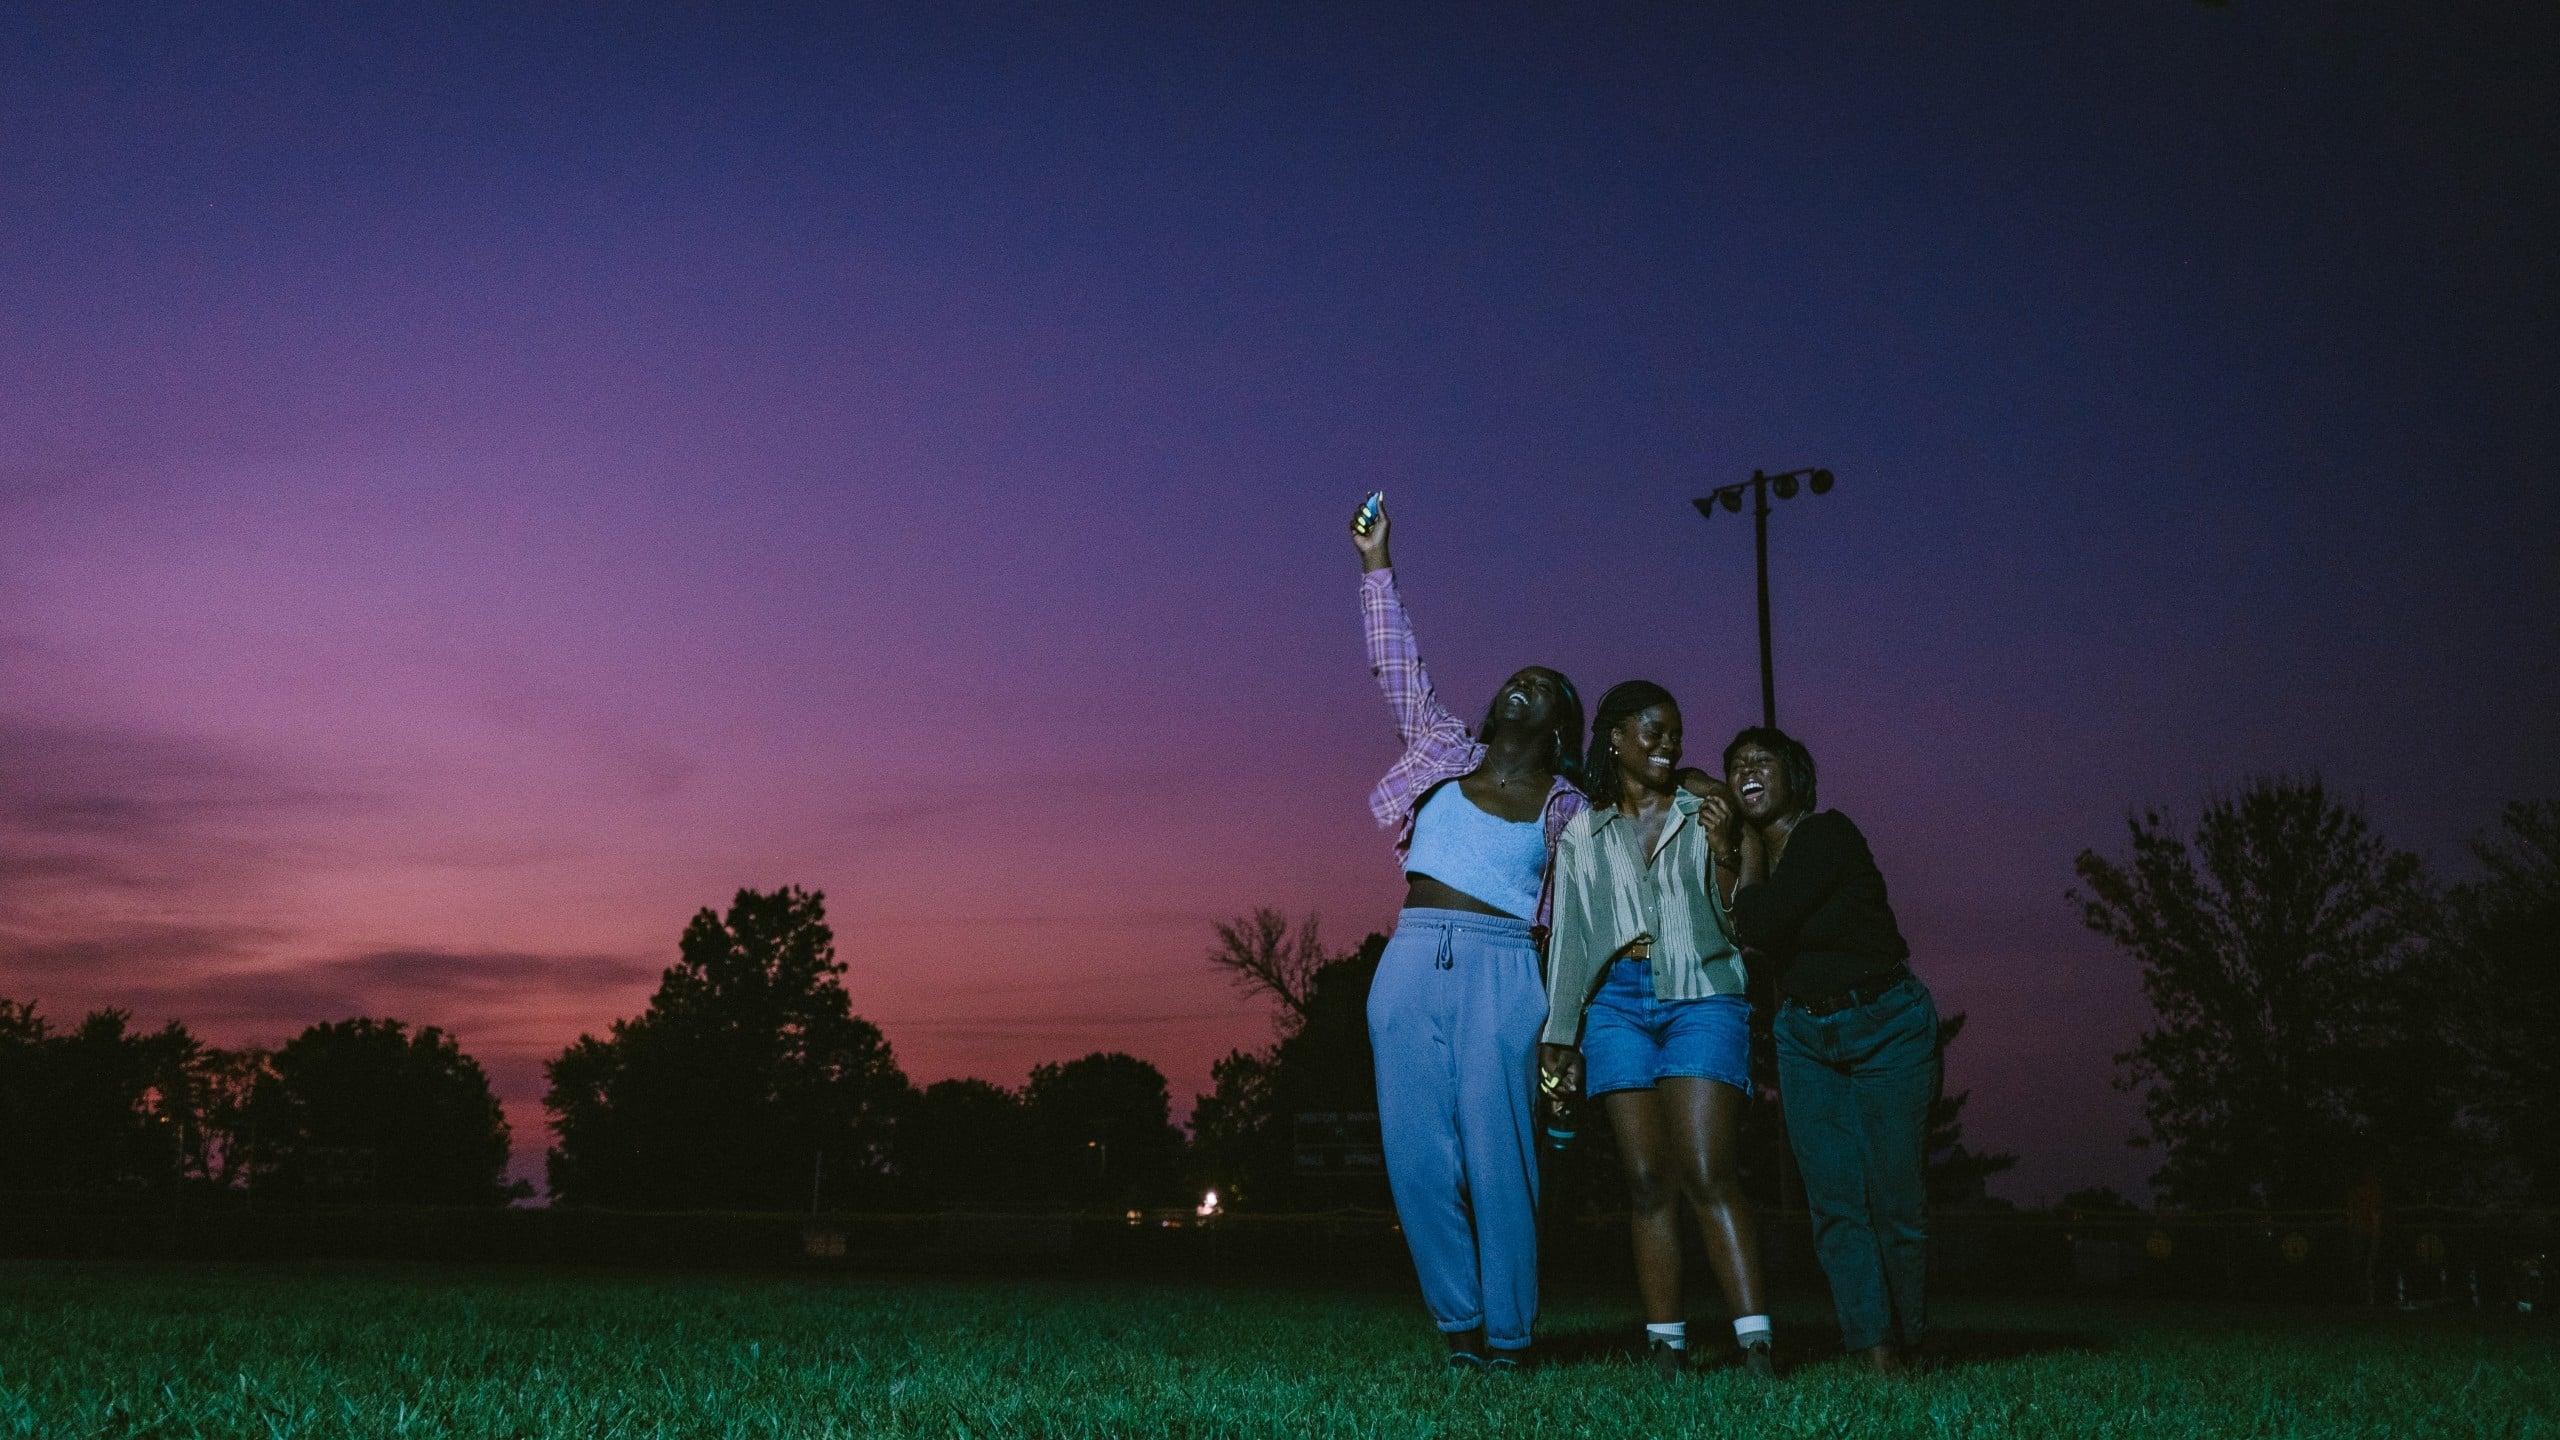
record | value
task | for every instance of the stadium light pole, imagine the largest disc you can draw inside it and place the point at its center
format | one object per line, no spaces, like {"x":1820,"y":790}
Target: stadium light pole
{"x":1730,"y":496}
{"x":1790,"y":1186}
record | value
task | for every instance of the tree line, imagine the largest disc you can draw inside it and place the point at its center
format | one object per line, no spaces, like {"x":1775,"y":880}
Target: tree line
{"x":746,"y":1083}
{"x":360,"y":1110}
{"x":2330,"y":1026}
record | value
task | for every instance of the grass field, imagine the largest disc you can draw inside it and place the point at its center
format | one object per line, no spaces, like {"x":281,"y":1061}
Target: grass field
{"x":363,"y":1351}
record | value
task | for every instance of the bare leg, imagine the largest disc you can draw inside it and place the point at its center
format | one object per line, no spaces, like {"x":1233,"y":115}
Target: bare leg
{"x":1706,"y":1120}
{"x":1649,"y":1148}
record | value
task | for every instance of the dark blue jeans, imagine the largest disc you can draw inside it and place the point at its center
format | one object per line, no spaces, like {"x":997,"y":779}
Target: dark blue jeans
{"x":1858,"y":1086}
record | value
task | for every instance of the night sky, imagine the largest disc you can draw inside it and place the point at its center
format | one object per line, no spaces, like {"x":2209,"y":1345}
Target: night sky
{"x":476,"y":487}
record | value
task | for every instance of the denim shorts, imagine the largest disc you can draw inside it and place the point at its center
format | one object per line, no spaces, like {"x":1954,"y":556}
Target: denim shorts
{"x":1630,"y":1039}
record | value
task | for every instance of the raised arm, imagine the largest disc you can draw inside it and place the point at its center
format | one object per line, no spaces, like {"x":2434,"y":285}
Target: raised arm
{"x":1393,"y":657}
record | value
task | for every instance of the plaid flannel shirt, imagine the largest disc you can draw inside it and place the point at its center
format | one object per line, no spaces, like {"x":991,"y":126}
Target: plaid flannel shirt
{"x":1437,"y":744}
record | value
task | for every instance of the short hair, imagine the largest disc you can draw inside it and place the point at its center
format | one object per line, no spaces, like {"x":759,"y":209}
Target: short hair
{"x":1790,"y":752}
{"x":1600,"y":768}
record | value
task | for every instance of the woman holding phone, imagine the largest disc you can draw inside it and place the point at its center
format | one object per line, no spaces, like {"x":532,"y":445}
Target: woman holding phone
{"x":1647,"y":1011}
{"x":1455,"y":1009}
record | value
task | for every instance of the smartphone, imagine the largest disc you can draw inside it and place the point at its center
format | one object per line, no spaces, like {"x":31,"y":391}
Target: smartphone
{"x":1370,"y":509}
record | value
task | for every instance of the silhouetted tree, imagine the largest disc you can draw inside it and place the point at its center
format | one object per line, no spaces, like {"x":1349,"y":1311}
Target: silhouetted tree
{"x":1245,"y":1130}
{"x":1260,"y":954}
{"x":364,"y":1110}
{"x":1957,"y":1172}
{"x":94,"y":1112}
{"x":964,"y":1144}
{"x":2499,"y":979}
{"x":1236,"y":1140}
{"x":224,"y":1082}
{"x":23,"y":1122}
{"x":1102,"y":1129}
{"x":2272,"y":950}
{"x":748,"y":1082}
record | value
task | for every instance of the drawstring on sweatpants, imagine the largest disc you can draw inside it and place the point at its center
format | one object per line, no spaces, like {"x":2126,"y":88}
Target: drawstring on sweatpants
{"x":1447,"y":958}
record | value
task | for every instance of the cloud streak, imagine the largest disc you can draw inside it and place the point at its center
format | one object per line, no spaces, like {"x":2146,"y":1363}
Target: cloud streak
{"x":488,"y":992}
{"x":96,"y":806}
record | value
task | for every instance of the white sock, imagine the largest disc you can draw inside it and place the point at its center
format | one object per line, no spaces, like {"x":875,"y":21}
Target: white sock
{"x":1675,"y":1334}
{"x":1751,"y":1330}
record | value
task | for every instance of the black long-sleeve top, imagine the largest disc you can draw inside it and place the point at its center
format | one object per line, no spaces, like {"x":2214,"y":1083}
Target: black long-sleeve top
{"x":1821,"y":913}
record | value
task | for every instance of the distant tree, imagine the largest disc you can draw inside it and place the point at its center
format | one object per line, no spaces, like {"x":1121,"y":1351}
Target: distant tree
{"x":23,"y":1122}
{"x":364,"y":1110}
{"x":224,"y":1082}
{"x":1236,"y":1139}
{"x":748,"y":1082}
{"x":1958,"y":1174}
{"x":1245,"y":1130}
{"x":2096,"y":1200}
{"x":1262,"y":956}
{"x":2273,"y":949}
{"x":1102,"y":1129}
{"x":98,"y":1111}
{"x":964,"y":1145}
{"x":2499,"y":980}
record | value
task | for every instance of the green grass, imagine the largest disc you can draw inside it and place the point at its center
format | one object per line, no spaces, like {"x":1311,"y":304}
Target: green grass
{"x":365,"y":1351}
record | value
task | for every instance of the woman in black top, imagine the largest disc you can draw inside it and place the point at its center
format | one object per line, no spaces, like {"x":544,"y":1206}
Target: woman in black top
{"x":1857,"y":1037}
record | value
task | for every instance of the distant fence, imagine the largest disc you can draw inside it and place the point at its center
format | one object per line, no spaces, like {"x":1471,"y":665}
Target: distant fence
{"x":2491,"y":1260}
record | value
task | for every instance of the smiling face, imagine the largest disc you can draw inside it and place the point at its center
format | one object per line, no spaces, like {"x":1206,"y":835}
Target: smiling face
{"x":1647,"y":746}
{"x":1532,"y":700}
{"x":1758,"y":776}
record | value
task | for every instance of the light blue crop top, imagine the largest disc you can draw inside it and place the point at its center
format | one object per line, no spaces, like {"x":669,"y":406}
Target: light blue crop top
{"x":1500,"y":862}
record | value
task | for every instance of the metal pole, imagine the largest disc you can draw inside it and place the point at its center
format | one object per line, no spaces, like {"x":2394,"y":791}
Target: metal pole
{"x":1760,"y":542}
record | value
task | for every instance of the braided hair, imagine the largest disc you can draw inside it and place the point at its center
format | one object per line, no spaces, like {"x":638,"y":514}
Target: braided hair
{"x":1630,"y":697}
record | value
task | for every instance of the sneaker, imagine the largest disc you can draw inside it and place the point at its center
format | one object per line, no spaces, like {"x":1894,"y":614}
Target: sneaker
{"x":1757,"y":1359}
{"x":1668,"y":1361}
{"x":1466,"y":1360}
{"x":1508,"y":1362}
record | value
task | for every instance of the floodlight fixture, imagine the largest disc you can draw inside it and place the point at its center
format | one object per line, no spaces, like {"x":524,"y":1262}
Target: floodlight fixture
{"x":1785,"y":483}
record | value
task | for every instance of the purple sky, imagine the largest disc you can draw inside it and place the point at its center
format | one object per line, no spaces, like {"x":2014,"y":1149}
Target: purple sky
{"x":475,"y":488}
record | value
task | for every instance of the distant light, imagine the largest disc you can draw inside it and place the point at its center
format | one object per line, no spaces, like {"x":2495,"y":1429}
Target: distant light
{"x":1785,"y":485}
{"x":1208,"y":1205}
{"x":1821,"y":482}
{"x":1136,"y":1215}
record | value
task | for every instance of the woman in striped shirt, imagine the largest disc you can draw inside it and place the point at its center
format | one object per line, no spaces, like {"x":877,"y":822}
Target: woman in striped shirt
{"x":1646,"y":1004}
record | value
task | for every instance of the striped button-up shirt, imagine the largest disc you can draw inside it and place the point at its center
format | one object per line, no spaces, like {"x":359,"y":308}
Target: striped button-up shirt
{"x":1438,"y":746}
{"x":1610,"y":894}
